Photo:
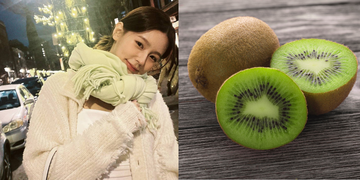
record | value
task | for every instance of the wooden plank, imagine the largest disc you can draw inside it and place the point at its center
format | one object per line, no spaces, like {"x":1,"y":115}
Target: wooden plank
{"x":207,"y":153}
{"x":187,"y":6}
{"x":327,"y":147}
{"x":335,"y":23}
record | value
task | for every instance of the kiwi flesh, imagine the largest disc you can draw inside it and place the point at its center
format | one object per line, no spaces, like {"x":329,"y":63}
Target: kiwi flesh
{"x":261,"y":108}
{"x":235,"y":44}
{"x":324,"y":70}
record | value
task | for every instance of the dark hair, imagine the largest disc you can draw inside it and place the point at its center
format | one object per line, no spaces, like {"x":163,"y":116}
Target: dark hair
{"x":141,"y":19}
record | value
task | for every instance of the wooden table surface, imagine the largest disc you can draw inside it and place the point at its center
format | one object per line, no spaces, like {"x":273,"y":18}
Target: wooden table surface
{"x":328,"y":147}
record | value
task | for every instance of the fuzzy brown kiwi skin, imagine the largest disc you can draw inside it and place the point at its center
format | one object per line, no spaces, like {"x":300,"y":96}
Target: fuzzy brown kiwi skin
{"x":321,"y":103}
{"x":307,"y":112}
{"x":232,"y":45}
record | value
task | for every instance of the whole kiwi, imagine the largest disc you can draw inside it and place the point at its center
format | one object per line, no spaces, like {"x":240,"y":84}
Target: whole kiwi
{"x":230,"y":46}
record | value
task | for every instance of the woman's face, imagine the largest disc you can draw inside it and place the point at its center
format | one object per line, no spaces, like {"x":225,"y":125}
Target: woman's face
{"x":139,"y":51}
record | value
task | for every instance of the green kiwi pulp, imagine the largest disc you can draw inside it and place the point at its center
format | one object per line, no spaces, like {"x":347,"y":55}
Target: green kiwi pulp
{"x":316,"y":65}
{"x":261,"y":108}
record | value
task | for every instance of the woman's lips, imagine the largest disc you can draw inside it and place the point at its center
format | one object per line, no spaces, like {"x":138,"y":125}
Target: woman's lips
{"x":130,"y":67}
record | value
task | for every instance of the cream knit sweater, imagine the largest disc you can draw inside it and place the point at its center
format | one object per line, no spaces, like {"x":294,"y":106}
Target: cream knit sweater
{"x":153,"y":153}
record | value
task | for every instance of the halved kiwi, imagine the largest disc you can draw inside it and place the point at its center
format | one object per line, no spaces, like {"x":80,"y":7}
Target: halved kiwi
{"x":261,"y":108}
{"x":325,"y":71}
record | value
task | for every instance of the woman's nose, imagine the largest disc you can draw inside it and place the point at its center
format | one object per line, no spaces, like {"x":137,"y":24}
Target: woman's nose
{"x":142,"y":58}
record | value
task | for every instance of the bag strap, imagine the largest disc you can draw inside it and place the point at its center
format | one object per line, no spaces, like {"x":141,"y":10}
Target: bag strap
{"x":48,"y":163}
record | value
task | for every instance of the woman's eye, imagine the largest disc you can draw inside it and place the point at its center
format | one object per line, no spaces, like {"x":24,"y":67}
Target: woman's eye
{"x":139,"y":44}
{"x":153,"y":58}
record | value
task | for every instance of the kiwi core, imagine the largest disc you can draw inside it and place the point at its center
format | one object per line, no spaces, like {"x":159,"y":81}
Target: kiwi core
{"x":313,"y":65}
{"x":262,"y":108}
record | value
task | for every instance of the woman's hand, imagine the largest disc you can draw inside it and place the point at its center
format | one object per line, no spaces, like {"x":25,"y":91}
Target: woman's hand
{"x":136,"y":104}
{"x":131,"y":116}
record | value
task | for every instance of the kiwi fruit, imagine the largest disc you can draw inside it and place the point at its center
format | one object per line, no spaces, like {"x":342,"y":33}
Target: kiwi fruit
{"x":261,"y":108}
{"x":230,"y":46}
{"x":324,"y":70}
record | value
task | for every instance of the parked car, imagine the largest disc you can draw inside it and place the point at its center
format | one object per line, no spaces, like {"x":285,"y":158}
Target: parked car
{"x":5,"y":166}
{"x":16,"y":106}
{"x":33,"y":84}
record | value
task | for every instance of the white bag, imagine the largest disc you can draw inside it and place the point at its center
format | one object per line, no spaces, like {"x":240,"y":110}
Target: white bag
{"x":48,"y":163}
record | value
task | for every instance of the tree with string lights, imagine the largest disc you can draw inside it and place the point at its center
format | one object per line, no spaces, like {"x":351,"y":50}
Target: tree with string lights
{"x":71,"y":24}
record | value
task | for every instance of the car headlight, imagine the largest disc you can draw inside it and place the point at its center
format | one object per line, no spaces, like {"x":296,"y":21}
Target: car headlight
{"x":13,"y":125}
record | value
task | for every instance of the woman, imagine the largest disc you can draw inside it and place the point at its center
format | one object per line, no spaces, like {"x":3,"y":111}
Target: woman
{"x":104,"y":117}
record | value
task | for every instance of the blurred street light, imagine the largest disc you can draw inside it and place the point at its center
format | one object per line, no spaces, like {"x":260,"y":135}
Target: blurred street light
{"x":7,"y":69}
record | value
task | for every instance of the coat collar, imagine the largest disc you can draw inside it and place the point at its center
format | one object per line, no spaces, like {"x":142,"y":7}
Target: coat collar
{"x":68,"y":89}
